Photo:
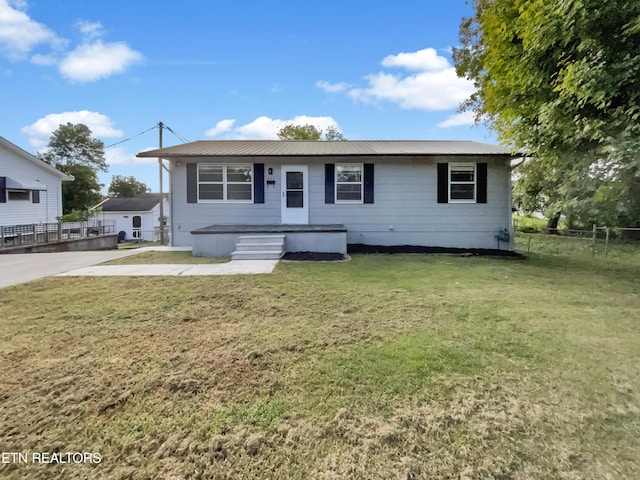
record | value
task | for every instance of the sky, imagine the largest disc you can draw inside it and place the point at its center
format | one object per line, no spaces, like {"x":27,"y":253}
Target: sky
{"x":212,"y":70}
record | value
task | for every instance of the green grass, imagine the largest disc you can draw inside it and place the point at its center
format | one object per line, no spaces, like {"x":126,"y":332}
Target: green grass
{"x":146,"y":258}
{"x":594,"y":256}
{"x":388,"y":366}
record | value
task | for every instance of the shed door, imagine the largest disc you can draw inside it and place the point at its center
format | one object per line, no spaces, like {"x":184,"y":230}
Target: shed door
{"x":295,"y":194}
{"x":137,"y":226}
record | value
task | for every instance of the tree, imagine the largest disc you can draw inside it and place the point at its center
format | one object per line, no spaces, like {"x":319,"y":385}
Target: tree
{"x":84,"y":192}
{"x":310,"y":132}
{"x":72,"y":151}
{"x":122,"y":186}
{"x":560,"y":81}
{"x":332,"y":134}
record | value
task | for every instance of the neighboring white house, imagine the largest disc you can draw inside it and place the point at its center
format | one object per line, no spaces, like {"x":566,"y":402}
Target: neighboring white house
{"x":30,"y":189}
{"x":137,"y":217}
{"x":323,"y":196}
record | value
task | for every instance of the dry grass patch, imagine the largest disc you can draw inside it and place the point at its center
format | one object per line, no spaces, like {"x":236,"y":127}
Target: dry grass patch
{"x":398,"y":366}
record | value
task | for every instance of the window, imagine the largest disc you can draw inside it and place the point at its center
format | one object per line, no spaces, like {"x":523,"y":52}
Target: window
{"x":462,"y":182}
{"x":220,"y":183}
{"x":23,"y":195}
{"x":349,"y":183}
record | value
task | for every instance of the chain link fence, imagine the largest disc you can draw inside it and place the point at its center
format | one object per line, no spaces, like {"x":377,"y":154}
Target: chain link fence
{"x":605,"y":242}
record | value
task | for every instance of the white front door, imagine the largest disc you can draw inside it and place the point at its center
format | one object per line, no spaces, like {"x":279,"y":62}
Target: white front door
{"x":295,"y":194}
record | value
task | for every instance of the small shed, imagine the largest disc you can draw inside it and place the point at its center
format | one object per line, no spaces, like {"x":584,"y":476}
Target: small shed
{"x":138,"y":217}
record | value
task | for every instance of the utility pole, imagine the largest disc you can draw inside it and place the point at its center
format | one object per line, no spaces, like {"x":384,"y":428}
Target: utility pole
{"x":160,"y":128}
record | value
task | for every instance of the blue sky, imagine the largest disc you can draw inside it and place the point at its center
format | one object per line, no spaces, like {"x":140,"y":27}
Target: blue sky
{"x":217,"y":70}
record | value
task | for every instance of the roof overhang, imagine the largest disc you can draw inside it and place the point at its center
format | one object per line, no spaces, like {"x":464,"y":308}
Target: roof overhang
{"x":35,"y":160}
{"x":356,"y":148}
{"x":14,"y":183}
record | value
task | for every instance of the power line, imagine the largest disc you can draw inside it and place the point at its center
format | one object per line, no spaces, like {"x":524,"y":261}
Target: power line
{"x":131,"y":138}
{"x":180,"y":137}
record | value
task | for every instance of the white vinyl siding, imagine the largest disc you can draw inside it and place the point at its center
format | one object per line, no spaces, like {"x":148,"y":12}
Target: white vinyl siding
{"x":225,"y":183}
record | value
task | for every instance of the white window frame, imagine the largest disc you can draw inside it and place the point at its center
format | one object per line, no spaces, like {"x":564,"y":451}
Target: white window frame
{"x":466,"y":165}
{"x":225,"y":182}
{"x":361,"y":182}
{"x":13,"y":190}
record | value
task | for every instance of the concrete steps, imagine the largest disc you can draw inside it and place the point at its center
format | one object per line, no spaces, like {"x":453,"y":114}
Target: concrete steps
{"x":259,"y":247}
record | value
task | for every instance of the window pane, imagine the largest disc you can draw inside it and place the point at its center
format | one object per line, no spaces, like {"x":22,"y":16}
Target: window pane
{"x":352,"y":192}
{"x":348,"y":173}
{"x":137,"y":221}
{"x":294,"y":180}
{"x":238,"y":191}
{"x":295,"y":199}
{"x":211,"y":191}
{"x":462,"y":191}
{"x":462,"y":173}
{"x":210,"y":173}
{"x":239,"y":174}
{"x":19,"y":195}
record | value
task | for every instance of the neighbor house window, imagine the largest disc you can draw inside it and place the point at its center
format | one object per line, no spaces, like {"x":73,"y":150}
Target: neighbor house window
{"x":220,"y":183}
{"x":349,"y":182}
{"x":24,"y":195}
{"x":462,"y":182}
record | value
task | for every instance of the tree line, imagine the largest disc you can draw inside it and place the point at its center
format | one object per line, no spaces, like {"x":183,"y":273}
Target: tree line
{"x":559,"y":82}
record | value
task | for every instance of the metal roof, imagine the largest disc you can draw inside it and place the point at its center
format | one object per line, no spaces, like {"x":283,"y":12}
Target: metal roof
{"x":278,"y":148}
{"x":142,"y":203}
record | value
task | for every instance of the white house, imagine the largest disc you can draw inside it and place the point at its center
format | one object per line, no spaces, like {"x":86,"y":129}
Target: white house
{"x":30,"y":189}
{"x":138,"y":217}
{"x":327,"y":196}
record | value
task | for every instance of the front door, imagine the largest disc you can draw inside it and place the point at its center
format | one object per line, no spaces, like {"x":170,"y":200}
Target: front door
{"x":295,"y":194}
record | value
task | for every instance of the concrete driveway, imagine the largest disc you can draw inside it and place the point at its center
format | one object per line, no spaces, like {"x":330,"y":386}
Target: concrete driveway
{"x":24,"y":267}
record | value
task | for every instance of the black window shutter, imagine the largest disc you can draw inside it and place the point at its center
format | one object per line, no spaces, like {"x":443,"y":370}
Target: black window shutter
{"x":329,"y":183}
{"x":368,"y":183}
{"x":443,"y":183}
{"x":258,"y":183}
{"x":192,"y":183}
{"x":3,"y":189}
{"x":35,"y":196}
{"x":481,"y":196}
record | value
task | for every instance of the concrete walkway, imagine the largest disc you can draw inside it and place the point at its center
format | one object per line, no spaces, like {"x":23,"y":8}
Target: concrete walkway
{"x":25,"y":267}
{"x":234,"y":267}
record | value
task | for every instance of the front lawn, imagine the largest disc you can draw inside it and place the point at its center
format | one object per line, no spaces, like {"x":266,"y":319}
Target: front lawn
{"x":385,"y":367}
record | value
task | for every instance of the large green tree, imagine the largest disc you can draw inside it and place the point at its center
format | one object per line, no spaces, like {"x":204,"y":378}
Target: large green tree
{"x":72,"y":150}
{"x":122,"y":186}
{"x":310,"y":132}
{"x":560,"y":81}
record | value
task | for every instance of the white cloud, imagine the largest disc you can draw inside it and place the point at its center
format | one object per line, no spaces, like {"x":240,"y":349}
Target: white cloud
{"x":89,"y":30}
{"x":332,"y":87}
{"x":432,"y":84}
{"x":458,"y":120}
{"x":265,"y":128}
{"x":120,"y":156}
{"x":221,"y":127}
{"x":40,"y":131}
{"x":44,"y":60}
{"x":19,"y":34}
{"x":422,"y":60}
{"x":91,"y":62}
